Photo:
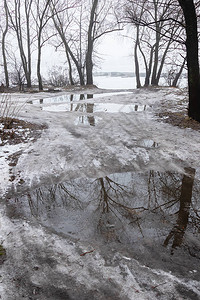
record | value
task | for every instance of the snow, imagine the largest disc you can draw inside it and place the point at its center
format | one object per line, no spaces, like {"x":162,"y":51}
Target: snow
{"x":46,"y":264}
{"x":58,"y":262}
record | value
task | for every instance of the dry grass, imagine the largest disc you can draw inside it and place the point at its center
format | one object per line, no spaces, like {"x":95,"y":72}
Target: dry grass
{"x":179,"y":119}
{"x":9,"y":110}
{"x":13,"y":130}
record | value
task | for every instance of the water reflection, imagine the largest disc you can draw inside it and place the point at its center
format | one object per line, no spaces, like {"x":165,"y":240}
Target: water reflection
{"x":127,"y":208}
{"x":87,"y":120}
{"x":74,"y":103}
{"x":73,"y":97}
{"x":96,"y":107}
{"x":185,"y":199}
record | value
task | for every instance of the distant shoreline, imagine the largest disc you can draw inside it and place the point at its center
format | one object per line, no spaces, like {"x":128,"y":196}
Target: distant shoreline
{"x":125,"y":74}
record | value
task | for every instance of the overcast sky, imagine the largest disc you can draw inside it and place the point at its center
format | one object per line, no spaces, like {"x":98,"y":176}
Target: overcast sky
{"x":117,"y":53}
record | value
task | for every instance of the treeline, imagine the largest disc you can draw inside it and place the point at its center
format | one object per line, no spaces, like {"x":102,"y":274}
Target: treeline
{"x":75,"y":27}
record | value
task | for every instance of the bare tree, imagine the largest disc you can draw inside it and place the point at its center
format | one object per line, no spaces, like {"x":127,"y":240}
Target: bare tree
{"x":156,"y":32}
{"x":90,"y":45}
{"x":20,"y":22}
{"x":100,"y":23}
{"x":191,"y":43}
{"x":68,"y":20}
{"x":41,"y":16}
{"x":80,"y":25}
{"x":3,"y":43}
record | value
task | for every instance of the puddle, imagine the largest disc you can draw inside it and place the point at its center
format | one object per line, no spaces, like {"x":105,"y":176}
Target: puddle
{"x":73,"y":98}
{"x":161,"y":209}
{"x":96,"y":107}
{"x":87,"y":120}
{"x":76,"y":103}
{"x":148,"y":143}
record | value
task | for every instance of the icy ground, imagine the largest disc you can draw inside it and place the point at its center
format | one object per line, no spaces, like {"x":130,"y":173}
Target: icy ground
{"x":91,"y":138}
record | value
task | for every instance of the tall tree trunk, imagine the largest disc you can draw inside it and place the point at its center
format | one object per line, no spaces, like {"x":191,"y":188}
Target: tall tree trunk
{"x":70,"y":69}
{"x":155,"y":65}
{"x":28,"y":47}
{"x":192,"y":58}
{"x":78,"y":66}
{"x":4,"y":47}
{"x":40,"y":85}
{"x":89,"y":62}
{"x":18,"y":28}
{"x":148,"y":67}
{"x":137,"y":68}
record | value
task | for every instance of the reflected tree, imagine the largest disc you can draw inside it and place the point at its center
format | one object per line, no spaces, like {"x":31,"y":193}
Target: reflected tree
{"x":90,"y":110}
{"x":45,"y":199}
{"x":178,"y":231}
{"x":123,"y":205}
{"x":113,"y":202}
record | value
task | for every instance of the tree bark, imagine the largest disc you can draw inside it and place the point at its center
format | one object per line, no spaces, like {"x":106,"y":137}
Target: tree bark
{"x":40,"y":84}
{"x":17,"y":26}
{"x":70,"y":69}
{"x":189,"y":12}
{"x":4,"y":46}
{"x":89,"y":62}
{"x":156,"y":52}
{"x":137,"y":68}
{"x":42,"y":21}
{"x":27,"y":12}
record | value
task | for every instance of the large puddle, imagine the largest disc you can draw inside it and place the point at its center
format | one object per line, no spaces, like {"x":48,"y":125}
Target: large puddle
{"x":159,"y":209}
{"x":73,"y":98}
{"x":96,"y":107}
{"x":79,"y":103}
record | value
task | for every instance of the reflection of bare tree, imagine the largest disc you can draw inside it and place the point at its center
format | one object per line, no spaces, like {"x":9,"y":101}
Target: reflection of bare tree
{"x":86,"y":107}
{"x":112,"y":202}
{"x":71,"y":102}
{"x":164,"y":186}
{"x":79,"y":106}
{"x":90,"y":110}
{"x":123,"y":204}
{"x":178,"y":231}
{"x":45,"y":199}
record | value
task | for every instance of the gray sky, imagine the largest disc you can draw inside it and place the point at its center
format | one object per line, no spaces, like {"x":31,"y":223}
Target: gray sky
{"x":117,"y":53}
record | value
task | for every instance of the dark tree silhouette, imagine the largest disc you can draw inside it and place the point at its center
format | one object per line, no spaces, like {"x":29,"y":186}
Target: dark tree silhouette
{"x":190,"y":16}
